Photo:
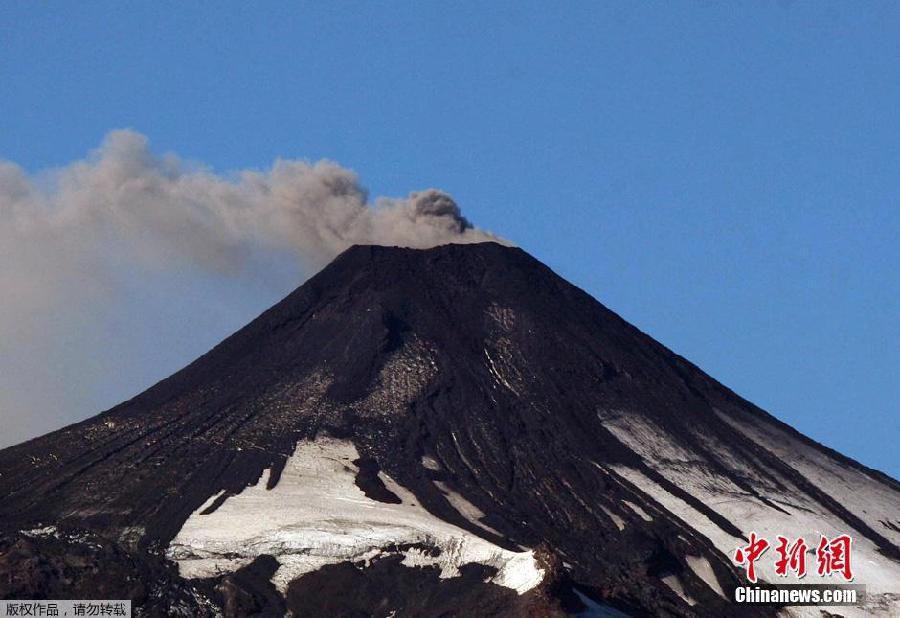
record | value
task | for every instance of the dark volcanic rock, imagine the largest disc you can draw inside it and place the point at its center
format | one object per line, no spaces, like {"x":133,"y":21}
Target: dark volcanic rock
{"x":388,"y":588}
{"x":469,"y":375}
{"x":53,"y":564}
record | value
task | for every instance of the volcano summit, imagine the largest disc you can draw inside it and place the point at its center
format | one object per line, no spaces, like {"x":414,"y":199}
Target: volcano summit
{"x":450,"y":431}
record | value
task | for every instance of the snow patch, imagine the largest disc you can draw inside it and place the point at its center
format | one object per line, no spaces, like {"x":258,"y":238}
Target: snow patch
{"x":465,"y":508}
{"x":703,"y":569}
{"x":516,"y":572}
{"x":44,"y":531}
{"x":618,"y":521}
{"x":872,"y":501}
{"x":316,"y":515}
{"x":678,"y":507}
{"x":880,"y":574}
{"x":674,"y":583}
{"x":430,"y":463}
{"x":641,"y":512}
{"x":499,"y":376}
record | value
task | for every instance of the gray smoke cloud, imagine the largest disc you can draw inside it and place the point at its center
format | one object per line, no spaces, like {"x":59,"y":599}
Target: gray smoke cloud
{"x":74,"y":241}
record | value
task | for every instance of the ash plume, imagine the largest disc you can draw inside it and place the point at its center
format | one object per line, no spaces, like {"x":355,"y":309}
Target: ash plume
{"x":73,"y":240}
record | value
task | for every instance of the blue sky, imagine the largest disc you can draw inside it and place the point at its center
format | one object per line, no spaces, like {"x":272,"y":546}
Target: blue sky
{"x":726,"y":176}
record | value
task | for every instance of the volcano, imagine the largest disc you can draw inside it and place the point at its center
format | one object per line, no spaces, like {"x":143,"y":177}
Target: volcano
{"x":454,"y":431}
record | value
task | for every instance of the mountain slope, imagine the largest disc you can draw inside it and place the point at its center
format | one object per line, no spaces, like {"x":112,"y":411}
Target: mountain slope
{"x":460,"y":418}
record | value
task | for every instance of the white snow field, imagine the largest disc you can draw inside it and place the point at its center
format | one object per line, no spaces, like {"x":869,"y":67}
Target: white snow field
{"x":805,"y":517}
{"x":315,"y":515}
